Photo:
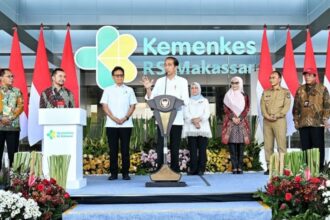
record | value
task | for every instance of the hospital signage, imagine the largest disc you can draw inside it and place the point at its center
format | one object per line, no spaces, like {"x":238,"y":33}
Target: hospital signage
{"x":115,"y":49}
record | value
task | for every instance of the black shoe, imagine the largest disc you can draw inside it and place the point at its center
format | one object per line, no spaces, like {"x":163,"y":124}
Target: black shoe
{"x":113,"y":177}
{"x":234,"y":172}
{"x":191,"y":173}
{"x":126,"y":177}
{"x":239,"y":171}
{"x":201,"y":173}
{"x":266,"y":172}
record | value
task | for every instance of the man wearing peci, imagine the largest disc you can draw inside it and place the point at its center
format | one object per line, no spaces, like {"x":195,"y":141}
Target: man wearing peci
{"x":311,"y":112}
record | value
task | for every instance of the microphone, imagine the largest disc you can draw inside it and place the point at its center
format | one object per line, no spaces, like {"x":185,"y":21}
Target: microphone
{"x":165,"y":83}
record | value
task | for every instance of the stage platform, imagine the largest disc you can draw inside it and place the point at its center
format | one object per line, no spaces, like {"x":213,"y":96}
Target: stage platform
{"x":171,"y":211}
{"x":212,"y":196}
{"x":207,"y":188}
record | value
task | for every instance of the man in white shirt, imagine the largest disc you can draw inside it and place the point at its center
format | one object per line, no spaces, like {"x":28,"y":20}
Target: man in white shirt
{"x":174,"y":85}
{"x":118,"y":102}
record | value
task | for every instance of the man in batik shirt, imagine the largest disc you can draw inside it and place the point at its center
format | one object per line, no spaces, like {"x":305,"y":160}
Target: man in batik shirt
{"x":311,"y":111}
{"x":11,"y":106}
{"x":57,"y":96}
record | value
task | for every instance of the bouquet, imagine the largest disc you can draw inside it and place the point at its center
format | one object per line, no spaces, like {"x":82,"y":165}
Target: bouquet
{"x":52,"y":199}
{"x":297,"y":196}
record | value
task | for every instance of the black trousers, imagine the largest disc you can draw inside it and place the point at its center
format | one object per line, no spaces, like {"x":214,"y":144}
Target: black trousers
{"x":313,"y":137}
{"x":197,"y":149}
{"x":116,"y":135}
{"x":175,"y":140}
{"x":236,"y":155}
{"x":12,"y":140}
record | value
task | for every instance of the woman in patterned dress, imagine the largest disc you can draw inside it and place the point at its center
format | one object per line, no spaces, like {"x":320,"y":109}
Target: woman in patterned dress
{"x":236,"y":130}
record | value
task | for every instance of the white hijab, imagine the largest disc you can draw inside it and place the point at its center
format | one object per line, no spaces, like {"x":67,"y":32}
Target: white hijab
{"x":198,"y":96}
{"x":235,"y":99}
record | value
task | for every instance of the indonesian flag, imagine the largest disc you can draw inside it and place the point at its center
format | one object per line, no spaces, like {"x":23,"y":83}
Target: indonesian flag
{"x":40,"y":81}
{"x":70,"y":69}
{"x":265,"y":70}
{"x":17,"y":68}
{"x":309,"y":55}
{"x":327,"y":66}
{"x":290,"y":80}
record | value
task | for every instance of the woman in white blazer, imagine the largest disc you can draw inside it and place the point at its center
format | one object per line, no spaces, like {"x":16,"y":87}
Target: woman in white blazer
{"x":197,"y":129}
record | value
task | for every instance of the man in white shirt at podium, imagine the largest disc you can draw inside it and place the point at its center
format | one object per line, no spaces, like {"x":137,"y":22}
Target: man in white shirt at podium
{"x":118,"y":102}
{"x":177,"y":86}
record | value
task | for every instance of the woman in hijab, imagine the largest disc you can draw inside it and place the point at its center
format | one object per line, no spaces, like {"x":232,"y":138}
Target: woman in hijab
{"x":197,"y":129}
{"x":236,"y":130}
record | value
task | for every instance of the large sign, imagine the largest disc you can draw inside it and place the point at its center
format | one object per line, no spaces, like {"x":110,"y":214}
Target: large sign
{"x":113,"y":49}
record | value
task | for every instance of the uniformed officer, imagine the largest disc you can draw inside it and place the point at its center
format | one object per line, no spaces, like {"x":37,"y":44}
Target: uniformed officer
{"x":275,"y":104}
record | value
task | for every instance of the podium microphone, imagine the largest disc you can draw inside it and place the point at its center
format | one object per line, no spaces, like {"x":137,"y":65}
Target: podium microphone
{"x":165,"y":83}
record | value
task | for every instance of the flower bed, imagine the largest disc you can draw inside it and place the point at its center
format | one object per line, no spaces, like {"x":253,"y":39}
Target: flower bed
{"x":144,"y":163}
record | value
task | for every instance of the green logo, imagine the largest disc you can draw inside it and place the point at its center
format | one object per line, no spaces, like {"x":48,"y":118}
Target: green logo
{"x":51,"y":134}
{"x":112,"y":49}
{"x":59,"y":134}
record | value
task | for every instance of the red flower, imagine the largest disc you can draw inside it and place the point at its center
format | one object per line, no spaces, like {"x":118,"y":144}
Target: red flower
{"x":67,"y":195}
{"x":52,"y":181}
{"x":270,"y":188}
{"x":287,"y":172}
{"x":40,"y":187}
{"x":45,"y":182}
{"x":314,"y":180}
{"x":288,"y":196}
{"x":49,"y":191}
{"x":297,"y":179}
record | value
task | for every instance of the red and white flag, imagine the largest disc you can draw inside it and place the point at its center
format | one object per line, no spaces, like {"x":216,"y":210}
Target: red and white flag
{"x":40,"y":81}
{"x":309,"y":62}
{"x":265,"y":70}
{"x":327,"y":66}
{"x":290,"y":80}
{"x":17,"y":68}
{"x":69,"y":68}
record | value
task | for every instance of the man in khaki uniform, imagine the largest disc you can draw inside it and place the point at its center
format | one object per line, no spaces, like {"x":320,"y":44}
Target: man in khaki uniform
{"x":275,"y":104}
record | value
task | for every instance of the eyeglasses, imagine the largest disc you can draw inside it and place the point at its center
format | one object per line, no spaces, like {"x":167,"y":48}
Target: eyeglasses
{"x":119,"y":75}
{"x":234,"y":83}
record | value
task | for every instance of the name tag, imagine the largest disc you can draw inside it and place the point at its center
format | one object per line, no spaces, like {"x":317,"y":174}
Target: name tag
{"x":306,"y":103}
{"x":60,"y":104}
